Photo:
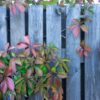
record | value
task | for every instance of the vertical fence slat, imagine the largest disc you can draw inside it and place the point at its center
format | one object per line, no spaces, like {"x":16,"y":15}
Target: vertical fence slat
{"x":3,"y":28}
{"x":73,"y":81}
{"x":3,"y":31}
{"x":36,"y":32}
{"x":17,"y":27}
{"x":92,"y":62}
{"x":36,"y":24}
{"x":17,"y":31}
{"x":53,"y":27}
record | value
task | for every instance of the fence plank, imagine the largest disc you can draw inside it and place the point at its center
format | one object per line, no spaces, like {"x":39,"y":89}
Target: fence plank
{"x":36,"y":32}
{"x":92,"y":62}
{"x":3,"y":31}
{"x":73,"y":81}
{"x":17,"y":31}
{"x":53,"y":27}
{"x":17,"y":27}
{"x":36,"y":24}
{"x":3,"y":28}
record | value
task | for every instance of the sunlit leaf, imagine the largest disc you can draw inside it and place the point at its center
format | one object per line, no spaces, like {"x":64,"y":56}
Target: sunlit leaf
{"x":38,"y":71}
{"x":84,"y":28}
{"x":10,"y":83}
{"x":19,"y":80}
{"x":62,"y":75}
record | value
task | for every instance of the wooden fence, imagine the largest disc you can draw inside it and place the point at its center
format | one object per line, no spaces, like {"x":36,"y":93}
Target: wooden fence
{"x":83,"y":82}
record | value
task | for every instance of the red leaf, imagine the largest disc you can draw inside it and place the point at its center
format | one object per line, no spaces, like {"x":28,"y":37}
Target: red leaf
{"x":80,"y":51}
{"x":12,"y":65}
{"x":85,"y":53}
{"x":13,"y":9}
{"x":55,"y":97}
{"x":4,"y":54}
{"x":29,"y":73}
{"x":75,"y":29}
{"x":36,"y":45}
{"x":22,"y":45}
{"x":88,"y":49}
{"x":58,"y":82}
{"x":27,"y":52}
{"x":10,"y":83}
{"x":3,"y":87}
{"x":12,"y":47}
{"x":8,"y":71}
{"x":2,"y":65}
{"x":34,"y":53}
{"x":39,"y":61}
{"x":20,"y":7}
{"x":26,"y":39}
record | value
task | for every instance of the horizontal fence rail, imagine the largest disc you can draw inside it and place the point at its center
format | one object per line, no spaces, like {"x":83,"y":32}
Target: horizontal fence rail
{"x":45,"y":26}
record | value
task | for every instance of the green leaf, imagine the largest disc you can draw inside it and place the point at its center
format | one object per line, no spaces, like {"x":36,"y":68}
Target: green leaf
{"x":13,"y":54}
{"x":90,"y":9}
{"x":62,"y":74}
{"x":1,"y":71}
{"x":38,"y":71}
{"x":65,"y":60}
{"x":44,"y":69}
{"x":19,"y":80}
{"x":23,"y":88}
{"x":18,"y":87}
{"x":65,"y":67}
{"x":53,"y":69}
{"x":57,"y":63}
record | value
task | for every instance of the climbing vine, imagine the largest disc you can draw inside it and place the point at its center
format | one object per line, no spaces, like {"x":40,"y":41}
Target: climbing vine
{"x":26,"y":69}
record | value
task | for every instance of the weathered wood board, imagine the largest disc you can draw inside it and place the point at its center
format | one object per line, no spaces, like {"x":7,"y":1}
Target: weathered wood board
{"x":92,"y":62}
{"x":72,"y":43}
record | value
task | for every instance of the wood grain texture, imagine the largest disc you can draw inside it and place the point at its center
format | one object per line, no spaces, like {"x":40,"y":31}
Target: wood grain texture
{"x":17,"y":27}
{"x":36,"y":32}
{"x":3,"y":28}
{"x":17,"y":31}
{"x":92,"y":62}
{"x":72,"y":43}
{"x":53,"y":27}
{"x":36,"y":24}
